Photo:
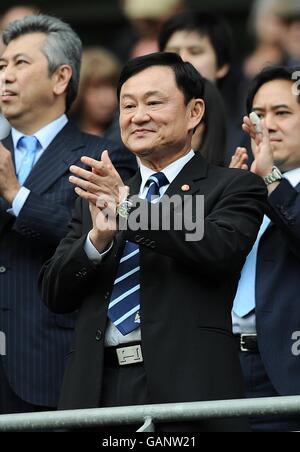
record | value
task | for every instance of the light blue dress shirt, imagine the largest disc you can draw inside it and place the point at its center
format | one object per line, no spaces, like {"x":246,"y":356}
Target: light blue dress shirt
{"x":45,"y":136}
{"x":247,"y":324}
{"x":113,"y":337}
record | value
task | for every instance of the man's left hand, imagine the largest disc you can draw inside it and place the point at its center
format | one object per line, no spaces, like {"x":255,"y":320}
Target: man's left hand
{"x":9,"y":185}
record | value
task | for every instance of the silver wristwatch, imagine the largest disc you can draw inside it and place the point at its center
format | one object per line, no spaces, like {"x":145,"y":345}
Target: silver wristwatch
{"x":124,"y":208}
{"x":274,"y":176}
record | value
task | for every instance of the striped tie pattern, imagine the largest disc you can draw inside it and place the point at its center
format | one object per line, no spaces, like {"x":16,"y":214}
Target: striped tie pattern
{"x":31,"y":144}
{"x":124,"y":306}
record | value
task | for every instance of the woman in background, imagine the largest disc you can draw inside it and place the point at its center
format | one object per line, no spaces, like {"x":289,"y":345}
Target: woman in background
{"x":96,"y":108}
{"x":96,"y":103}
{"x":210,"y":137}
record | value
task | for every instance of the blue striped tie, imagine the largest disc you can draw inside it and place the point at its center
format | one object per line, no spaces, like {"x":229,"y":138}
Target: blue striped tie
{"x":124,"y":306}
{"x":31,"y":145}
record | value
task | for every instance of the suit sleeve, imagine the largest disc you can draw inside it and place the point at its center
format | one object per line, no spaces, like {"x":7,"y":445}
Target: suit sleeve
{"x":229,"y":233}
{"x":285,"y":213}
{"x":42,"y":219}
{"x":65,"y":279}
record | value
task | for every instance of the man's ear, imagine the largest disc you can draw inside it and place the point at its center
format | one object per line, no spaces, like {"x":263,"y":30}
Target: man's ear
{"x":222,"y":71}
{"x":197,"y":109}
{"x":61,"y":78}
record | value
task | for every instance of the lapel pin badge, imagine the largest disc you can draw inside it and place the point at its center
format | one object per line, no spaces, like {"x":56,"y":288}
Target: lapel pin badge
{"x":185,"y":188}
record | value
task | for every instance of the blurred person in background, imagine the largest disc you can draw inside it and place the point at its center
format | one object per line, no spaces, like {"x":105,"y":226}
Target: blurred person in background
{"x":205,"y":40}
{"x":96,"y":102}
{"x":269,"y":31}
{"x":145,"y":18}
{"x":277,"y":27}
{"x":289,"y":12}
{"x":15,"y":13}
{"x":95,"y":109}
{"x":210,"y":136}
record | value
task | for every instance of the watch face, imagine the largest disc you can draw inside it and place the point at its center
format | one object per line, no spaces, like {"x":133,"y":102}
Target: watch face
{"x":124,"y":209}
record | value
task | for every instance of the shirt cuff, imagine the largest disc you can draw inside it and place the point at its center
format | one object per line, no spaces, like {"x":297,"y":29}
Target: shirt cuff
{"x":92,"y":252}
{"x":19,"y":201}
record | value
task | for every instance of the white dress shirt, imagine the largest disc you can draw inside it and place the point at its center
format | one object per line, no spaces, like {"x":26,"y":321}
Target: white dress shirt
{"x":45,"y":136}
{"x":113,"y":336}
{"x":247,"y":324}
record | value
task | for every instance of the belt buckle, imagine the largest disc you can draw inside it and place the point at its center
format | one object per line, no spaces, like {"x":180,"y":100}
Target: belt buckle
{"x":242,"y":342}
{"x":129,"y":355}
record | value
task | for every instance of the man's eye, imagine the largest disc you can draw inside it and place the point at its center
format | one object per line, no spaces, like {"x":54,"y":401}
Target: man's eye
{"x":128,"y":107}
{"x":196,"y":51}
{"x":21,"y":62}
{"x":154,"y":102}
{"x":2,"y":67}
{"x":282,"y":113}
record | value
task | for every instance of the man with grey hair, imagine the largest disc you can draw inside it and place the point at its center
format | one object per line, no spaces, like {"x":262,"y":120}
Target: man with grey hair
{"x":39,"y":73}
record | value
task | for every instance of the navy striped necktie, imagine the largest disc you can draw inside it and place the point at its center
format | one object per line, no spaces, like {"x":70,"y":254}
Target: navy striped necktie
{"x":124,"y":306}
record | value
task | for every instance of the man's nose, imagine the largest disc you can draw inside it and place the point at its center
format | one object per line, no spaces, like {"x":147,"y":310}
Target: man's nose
{"x":7,"y":75}
{"x":141,"y":114}
{"x":184,"y":54}
{"x":270,"y":122}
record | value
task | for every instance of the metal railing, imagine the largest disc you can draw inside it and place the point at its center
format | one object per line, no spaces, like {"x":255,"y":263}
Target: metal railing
{"x":148,"y":415}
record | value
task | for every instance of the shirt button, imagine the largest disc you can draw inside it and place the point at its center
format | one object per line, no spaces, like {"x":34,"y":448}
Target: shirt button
{"x":2,"y":269}
{"x":98,"y":335}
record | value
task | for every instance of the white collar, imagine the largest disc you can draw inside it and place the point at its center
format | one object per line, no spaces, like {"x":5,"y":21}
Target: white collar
{"x":171,"y":171}
{"x":293,"y":176}
{"x":45,"y":135}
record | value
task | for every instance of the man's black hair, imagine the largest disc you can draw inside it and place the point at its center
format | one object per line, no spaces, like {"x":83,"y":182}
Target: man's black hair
{"x":206,"y":24}
{"x":188,"y":79}
{"x":268,"y":75}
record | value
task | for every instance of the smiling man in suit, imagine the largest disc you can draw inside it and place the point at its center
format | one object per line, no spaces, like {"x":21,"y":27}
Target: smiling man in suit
{"x":155,"y":322}
{"x":39,"y":72}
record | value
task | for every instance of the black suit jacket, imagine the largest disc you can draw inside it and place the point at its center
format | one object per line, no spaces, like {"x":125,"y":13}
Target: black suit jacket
{"x":186,"y":292}
{"x":37,"y":340}
{"x":277,"y":290}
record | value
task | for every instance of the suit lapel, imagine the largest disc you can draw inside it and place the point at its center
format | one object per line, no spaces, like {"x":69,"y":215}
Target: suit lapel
{"x":6,"y":218}
{"x":9,"y":145}
{"x":194,"y":171}
{"x":56,"y":159}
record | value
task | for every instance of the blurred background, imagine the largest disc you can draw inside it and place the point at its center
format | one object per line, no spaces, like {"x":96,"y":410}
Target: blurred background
{"x":229,"y":49}
{"x":102,"y":22}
